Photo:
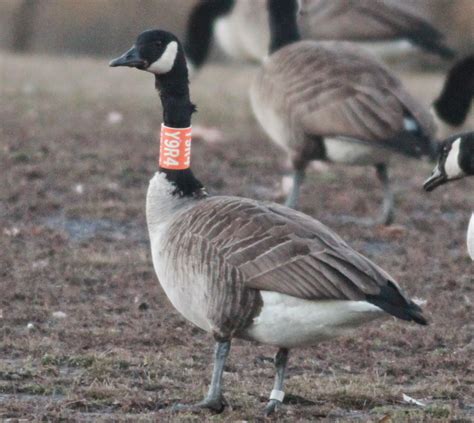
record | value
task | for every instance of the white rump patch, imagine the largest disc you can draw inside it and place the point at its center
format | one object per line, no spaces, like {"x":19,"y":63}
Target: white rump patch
{"x":287,"y":321}
{"x":451,"y":166}
{"x":470,"y":237}
{"x":166,"y":61}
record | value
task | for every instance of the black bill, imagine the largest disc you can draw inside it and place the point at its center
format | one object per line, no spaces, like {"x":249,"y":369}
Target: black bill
{"x":130,"y":58}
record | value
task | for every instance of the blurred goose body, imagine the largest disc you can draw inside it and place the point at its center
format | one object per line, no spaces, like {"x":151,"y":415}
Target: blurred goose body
{"x":241,"y":26}
{"x":240,"y":268}
{"x":456,"y":161}
{"x":331,"y":101}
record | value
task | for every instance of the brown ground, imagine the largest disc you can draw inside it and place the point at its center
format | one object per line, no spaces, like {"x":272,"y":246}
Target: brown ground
{"x":73,"y":239}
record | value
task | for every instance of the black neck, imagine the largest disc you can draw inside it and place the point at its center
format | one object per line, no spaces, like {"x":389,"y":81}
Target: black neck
{"x":283,"y":23}
{"x":200,"y":27}
{"x":467,"y":153}
{"x":454,"y":102}
{"x":173,"y":88}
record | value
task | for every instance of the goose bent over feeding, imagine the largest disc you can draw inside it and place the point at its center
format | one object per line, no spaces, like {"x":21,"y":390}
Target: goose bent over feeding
{"x":331,"y":101}
{"x":456,"y":160}
{"x":240,"y":268}
{"x":241,"y":26}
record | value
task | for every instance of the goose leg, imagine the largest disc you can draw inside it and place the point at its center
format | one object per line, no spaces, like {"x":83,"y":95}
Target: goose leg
{"x":294,"y":196}
{"x":276,"y":397}
{"x":214,"y":399}
{"x":312,"y":149}
{"x":386,"y":214}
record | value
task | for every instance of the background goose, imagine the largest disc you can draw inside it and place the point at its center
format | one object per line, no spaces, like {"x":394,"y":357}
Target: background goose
{"x":456,"y":160}
{"x":241,"y":268}
{"x":331,"y":101}
{"x":452,"y":107}
{"x":241,"y":26}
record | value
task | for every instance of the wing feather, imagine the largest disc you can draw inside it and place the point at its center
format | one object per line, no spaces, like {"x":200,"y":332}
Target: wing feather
{"x":338,"y":91}
{"x":273,"y":248}
{"x":369,"y":20}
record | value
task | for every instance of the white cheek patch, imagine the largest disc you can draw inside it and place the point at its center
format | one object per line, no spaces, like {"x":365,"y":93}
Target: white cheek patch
{"x":166,"y":62}
{"x":451,"y":166}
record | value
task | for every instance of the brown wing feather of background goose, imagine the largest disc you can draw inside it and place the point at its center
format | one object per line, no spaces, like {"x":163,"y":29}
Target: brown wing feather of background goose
{"x":368,"y":20}
{"x":339,"y":90}
{"x":252,"y":246}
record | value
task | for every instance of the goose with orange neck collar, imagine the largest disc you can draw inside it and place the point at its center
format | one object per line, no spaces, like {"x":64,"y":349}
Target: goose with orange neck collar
{"x":240,"y":268}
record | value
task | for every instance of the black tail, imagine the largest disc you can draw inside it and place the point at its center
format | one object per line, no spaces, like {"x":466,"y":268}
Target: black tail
{"x":454,"y":102}
{"x":392,"y":301}
{"x":413,"y":144}
{"x":432,"y":41}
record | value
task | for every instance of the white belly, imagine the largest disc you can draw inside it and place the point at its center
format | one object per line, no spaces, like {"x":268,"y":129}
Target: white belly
{"x":354,"y":153}
{"x":291,"y":322}
{"x":470,"y":237}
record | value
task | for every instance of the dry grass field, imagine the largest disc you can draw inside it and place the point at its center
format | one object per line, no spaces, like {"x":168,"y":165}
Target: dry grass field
{"x":87,"y":334}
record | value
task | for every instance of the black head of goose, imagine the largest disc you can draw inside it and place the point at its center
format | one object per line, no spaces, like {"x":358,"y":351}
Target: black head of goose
{"x":452,"y":106}
{"x":241,"y":26}
{"x":331,"y":101}
{"x":456,"y":160}
{"x":240,"y":268}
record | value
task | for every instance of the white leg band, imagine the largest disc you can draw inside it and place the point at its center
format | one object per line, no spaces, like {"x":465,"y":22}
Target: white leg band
{"x":277,"y":395}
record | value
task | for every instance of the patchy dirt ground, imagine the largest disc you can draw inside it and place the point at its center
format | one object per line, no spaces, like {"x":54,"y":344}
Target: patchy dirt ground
{"x":86,"y":333}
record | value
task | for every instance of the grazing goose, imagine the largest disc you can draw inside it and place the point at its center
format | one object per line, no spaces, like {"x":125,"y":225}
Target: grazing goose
{"x":452,"y":106}
{"x":240,"y":268}
{"x":241,"y":26}
{"x":331,"y":101}
{"x":456,"y":160}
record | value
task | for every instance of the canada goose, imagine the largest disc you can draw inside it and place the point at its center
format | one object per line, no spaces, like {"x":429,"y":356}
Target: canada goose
{"x":331,"y":101}
{"x":240,"y":268}
{"x":452,"y":106}
{"x":241,"y":26}
{"x":456,"y":160}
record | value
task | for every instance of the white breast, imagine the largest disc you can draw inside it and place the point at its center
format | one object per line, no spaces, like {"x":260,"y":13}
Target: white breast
{"x":272,"y":123}
{"x":470,"y":237}
{"x":243,"y":34}
{"x":186,"y":292}
{"x":287,"y":321}
{"x":354,"y":153}
{"x":227,"y":36}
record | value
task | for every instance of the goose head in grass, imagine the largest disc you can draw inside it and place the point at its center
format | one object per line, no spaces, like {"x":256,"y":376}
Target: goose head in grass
{"x":455,"y":161}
